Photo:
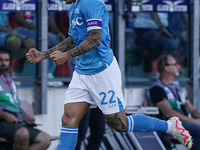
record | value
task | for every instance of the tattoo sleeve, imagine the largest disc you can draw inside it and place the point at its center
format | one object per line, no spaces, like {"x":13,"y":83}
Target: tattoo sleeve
{"x":64,"y":46}
{"x":90,"y":43}
{"x":116,"y":123}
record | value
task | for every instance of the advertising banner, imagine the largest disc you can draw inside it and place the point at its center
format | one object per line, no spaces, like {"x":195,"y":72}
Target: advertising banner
{"x":179,"y":6}
{"x":61,"y":6}
{"x":17,"y":5}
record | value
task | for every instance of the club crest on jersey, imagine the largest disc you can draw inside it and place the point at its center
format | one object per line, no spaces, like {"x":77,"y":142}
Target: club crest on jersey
{"x":77,"y":21}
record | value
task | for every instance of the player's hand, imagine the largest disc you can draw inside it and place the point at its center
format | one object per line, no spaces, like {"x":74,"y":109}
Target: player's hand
{"x":34,"y":56}
{"x":10,"y":118}
{"x":164,"y":32}
{"x":59,"y":57}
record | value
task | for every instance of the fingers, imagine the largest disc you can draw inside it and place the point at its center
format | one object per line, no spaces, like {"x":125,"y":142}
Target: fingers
{"x":53,"y":56}
{"x":30,"y":55}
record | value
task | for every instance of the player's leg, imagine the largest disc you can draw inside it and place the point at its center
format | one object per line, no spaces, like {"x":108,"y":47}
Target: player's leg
{"x":140,"y":122}
{"x":105,"y":89}
{"x":73,"y":113}
{"x":82,"y":129}
{"x":77,"y":102}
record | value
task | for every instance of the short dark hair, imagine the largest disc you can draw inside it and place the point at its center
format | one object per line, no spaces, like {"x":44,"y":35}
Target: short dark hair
{"x":5,"y":50}
{"x":162,"y":62}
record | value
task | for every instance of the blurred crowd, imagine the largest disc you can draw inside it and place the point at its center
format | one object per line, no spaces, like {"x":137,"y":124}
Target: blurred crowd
{"x":148,"y":36}
{"x":18,"y":33}
{"x":155,"y":34}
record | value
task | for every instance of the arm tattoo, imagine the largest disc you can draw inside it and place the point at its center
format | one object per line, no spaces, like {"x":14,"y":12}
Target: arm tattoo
{"x":116,"y":123}
{"x":90,"y":43}
{"x":64,"y":46}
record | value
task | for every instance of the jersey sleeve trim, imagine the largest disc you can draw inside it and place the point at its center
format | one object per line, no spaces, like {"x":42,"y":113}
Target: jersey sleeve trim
{"x":94,"y":24}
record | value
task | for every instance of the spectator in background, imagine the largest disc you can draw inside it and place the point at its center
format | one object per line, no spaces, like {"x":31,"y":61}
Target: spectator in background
{"x":13,"y":121}
{"x":19,"y":44}
{"x":172,"y":101}
{"x":154,"y":37}
{"x":24,"y":23}
{"x":178,"y":27}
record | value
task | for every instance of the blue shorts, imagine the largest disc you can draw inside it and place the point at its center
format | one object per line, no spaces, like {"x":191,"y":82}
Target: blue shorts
{"x":3,"y":37}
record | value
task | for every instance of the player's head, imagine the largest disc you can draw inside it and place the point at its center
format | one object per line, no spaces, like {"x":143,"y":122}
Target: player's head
{"x":168,"y":64}
{"x":5,"y":59}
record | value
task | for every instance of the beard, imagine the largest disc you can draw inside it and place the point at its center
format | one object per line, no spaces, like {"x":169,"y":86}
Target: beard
{"x":3,"y":70}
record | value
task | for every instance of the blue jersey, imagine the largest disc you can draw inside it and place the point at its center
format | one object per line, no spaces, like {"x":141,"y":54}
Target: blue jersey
{"x":85,"y":15}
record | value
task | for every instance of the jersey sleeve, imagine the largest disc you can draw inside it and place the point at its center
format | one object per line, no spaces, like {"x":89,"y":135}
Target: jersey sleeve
{"x":157,"y":94}
{"x":93,"y":13}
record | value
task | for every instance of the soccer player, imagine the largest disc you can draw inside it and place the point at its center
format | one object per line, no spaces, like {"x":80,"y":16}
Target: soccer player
{"x":97,"y":77}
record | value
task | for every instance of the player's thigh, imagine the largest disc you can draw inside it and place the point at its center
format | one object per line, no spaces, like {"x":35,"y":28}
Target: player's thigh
{"x":74,"y":112}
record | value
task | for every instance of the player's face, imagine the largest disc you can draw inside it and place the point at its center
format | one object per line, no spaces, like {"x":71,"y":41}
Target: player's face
{"x":69,"y":1}
{"x":173,"y":66}
{"x":4,"y":62}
